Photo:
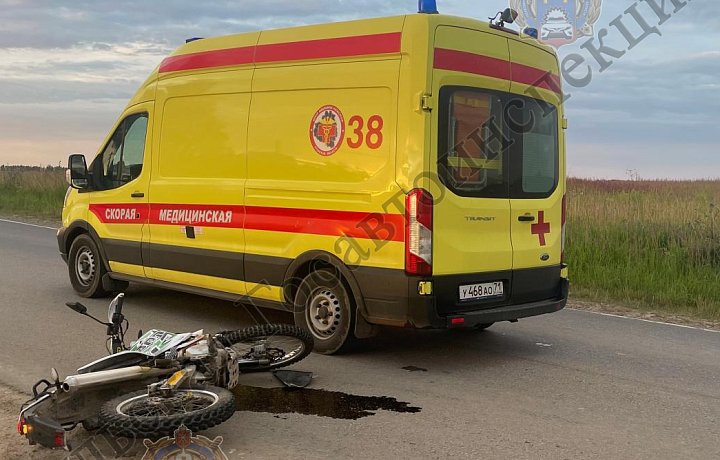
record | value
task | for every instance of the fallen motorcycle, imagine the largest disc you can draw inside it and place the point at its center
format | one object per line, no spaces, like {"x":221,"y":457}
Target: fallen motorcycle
{"x":161,"y":381}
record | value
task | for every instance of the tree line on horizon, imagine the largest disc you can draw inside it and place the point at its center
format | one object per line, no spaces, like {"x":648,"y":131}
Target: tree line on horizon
{"x":48,"y":168}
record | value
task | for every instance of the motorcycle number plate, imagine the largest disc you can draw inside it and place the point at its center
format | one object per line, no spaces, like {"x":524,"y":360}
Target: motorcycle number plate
{"x":156,"y":342}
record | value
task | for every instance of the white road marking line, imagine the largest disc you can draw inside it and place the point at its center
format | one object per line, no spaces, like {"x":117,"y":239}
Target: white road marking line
{"x":647,"y":320}
{"x":29,"y":225}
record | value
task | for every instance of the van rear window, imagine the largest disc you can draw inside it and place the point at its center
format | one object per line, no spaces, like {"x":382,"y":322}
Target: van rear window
{"x":497,"y":145}
{"x":533,"y":131}
{"x":472,"y":162}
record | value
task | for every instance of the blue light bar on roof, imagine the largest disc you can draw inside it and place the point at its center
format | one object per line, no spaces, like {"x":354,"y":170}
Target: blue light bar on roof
{"x":427,"y":6}
{"x":194,"y":39}
{"x":531,"y":32}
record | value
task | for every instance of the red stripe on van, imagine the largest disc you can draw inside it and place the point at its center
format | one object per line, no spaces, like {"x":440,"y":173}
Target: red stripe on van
{"x":374,"y":226}
{"x":206,"y":59}
{"x":462,"y":61}
{"x":134,"y":213}
{"x":203,"y":215}
{"x":535,"y":77}
{"x":361,"y":45}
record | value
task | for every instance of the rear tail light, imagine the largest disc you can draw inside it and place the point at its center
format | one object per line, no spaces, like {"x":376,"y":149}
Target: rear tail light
{"x":60,"y":438}
{"x":21,"y":425}
{"x":418,"y":233}
{"x":563,"y":221}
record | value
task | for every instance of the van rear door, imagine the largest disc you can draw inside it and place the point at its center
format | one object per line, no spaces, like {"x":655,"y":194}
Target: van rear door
{"x":537,"y":185}
{"x":471,"y":213}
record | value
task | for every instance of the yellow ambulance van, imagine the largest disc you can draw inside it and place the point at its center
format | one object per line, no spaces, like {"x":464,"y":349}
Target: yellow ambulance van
{"x":405,"y":171}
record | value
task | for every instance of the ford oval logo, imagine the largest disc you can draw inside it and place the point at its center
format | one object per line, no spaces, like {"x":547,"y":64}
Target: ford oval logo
{"x":545,"y":257}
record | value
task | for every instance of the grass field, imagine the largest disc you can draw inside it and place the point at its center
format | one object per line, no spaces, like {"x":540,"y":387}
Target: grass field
{"x":654,"y":245}
{"x":38,"y":192}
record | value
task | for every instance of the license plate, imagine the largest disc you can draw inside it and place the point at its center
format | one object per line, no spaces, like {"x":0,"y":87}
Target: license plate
{"x":482,"y":291}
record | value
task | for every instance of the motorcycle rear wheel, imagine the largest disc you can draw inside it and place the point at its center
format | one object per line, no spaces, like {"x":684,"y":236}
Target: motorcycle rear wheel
{"x":285,"y":345}
{"x":138,"y":415}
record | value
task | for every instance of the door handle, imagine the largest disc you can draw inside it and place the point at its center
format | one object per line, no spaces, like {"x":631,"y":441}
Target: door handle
{"x":526,"y":218}
{"x":138,"y":195}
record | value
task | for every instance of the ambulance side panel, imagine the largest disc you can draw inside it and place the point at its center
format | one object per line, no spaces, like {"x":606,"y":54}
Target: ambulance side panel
{"x":301,"y":201}
{"x":199,"y":173}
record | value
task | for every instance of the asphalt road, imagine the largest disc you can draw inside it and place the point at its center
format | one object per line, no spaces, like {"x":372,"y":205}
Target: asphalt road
{"x":573,"y":385}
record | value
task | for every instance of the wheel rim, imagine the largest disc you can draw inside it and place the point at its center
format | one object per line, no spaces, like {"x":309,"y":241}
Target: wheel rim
{"x":324,"y":313}
{"x":277,"y":349}
{"x":182,"y":402}
{"x":85,"y":266}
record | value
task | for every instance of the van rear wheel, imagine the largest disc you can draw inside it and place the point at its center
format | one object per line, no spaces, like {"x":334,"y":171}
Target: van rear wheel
{"x":323,"y":307}
{"x":86,"y":267}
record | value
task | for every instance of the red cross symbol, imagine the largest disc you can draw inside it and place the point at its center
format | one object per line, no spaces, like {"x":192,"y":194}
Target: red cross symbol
{"x":541,"y":228}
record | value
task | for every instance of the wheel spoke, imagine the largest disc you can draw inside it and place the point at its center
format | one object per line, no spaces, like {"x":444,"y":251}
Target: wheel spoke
{"x":278,"y":348}
{"x":185,"y":401}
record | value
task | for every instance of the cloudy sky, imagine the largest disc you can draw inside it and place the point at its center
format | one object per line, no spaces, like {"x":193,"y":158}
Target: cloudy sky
{"x":68,"y":67}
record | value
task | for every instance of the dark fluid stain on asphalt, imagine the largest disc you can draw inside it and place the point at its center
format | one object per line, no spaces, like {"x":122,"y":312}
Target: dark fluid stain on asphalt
{"x":414,"y":369}
{"x":323,"y":403}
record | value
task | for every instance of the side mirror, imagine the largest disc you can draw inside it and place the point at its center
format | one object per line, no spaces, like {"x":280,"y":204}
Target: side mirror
{"x":508,"y":15}
{"x":77,"y":173}
{"x":78,"y":307}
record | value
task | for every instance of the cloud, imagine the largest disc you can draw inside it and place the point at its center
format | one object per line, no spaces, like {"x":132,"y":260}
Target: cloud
{"x":65,"y":24}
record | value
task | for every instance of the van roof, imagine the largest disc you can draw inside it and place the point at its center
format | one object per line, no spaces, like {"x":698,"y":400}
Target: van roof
{"x":338,"y":39}
{"x":344,"y":29}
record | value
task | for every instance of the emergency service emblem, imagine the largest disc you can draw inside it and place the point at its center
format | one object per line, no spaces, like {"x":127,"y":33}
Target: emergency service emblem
{"x":327,"y":130}
{"x":184,"y":446}
{"x":558,"y":22}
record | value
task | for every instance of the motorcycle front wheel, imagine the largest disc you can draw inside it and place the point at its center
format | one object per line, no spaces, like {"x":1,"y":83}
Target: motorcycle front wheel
{"x":138,"y":415}
{"x":269,"y":347}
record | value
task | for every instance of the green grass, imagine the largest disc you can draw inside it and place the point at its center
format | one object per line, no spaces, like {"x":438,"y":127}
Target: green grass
{"x":652,"y":244}
{"x":34,"y":192}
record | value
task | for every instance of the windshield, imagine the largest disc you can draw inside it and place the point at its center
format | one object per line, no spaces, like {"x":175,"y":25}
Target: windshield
{"x":497,"y":145}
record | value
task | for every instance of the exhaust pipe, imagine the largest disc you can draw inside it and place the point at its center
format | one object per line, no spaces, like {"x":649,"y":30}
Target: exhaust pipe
{"x":84,"y":381}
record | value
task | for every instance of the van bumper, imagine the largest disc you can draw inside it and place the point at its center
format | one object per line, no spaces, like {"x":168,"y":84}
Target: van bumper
{"x":508,"y":313}
{"x":392,"y":298}
{"x":422,"y":312}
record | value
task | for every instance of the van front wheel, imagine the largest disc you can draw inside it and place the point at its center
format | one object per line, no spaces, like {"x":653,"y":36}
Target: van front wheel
{"x":323,"y":307}
{"x":86,"y":267}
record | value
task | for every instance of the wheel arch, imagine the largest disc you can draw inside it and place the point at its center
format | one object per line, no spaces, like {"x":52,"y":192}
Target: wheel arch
{"x":81,"y":227}
{"x":314,"y":260}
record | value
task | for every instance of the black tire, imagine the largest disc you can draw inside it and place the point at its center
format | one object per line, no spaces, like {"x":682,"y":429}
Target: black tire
{"x":276,"y":335}
{"x":482,"y":327}
{"x":119,"y":424}
{"x":86,"y":268}
{"x":323,"y":306}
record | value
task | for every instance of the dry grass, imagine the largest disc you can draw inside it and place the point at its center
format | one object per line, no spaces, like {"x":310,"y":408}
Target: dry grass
{"x":37,"y":192}
{"x":654,"y":244}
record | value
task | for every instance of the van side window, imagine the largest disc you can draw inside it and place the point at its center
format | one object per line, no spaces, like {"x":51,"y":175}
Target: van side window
{"x":122,"y":160}
{"x":472,"y":161}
